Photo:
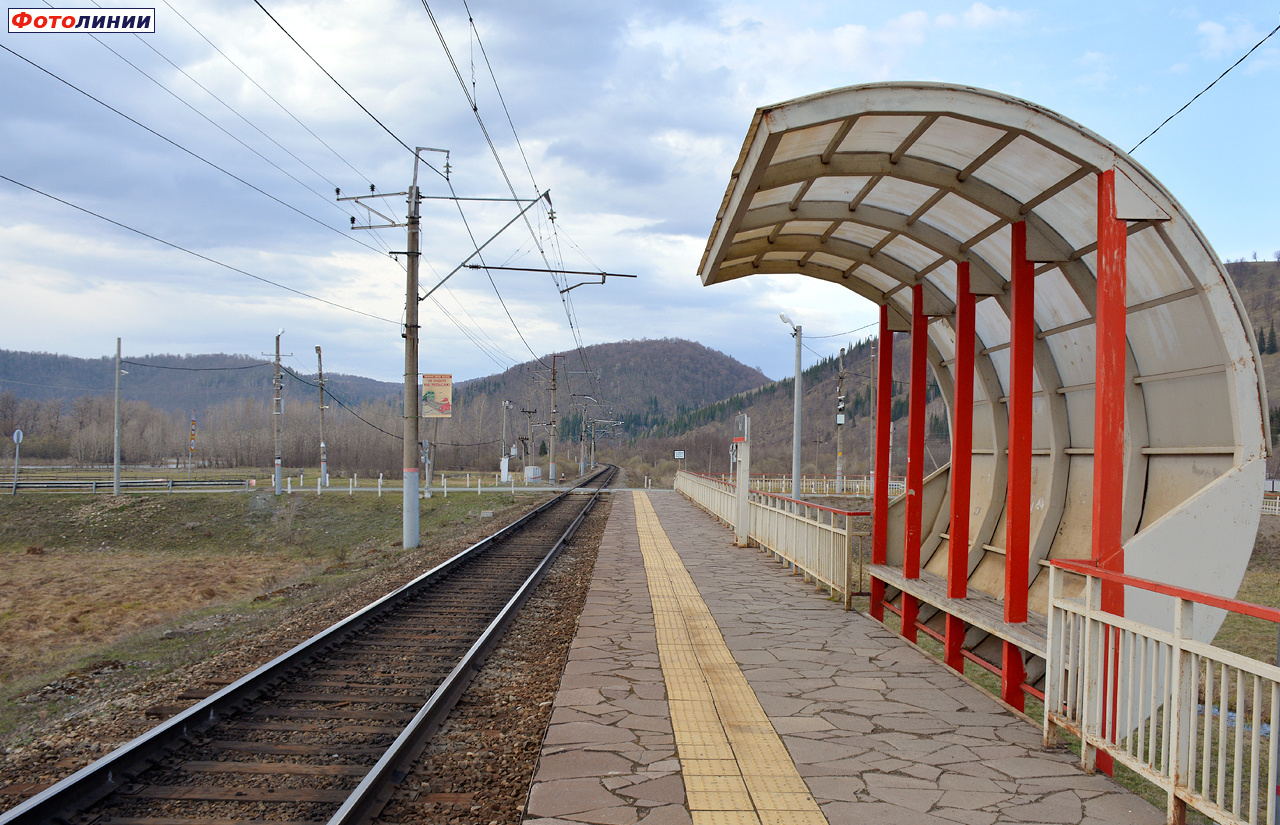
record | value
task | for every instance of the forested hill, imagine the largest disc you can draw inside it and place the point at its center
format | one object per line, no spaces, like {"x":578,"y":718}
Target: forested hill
{"x":663,"y":375}
{"x":174,"y":383}
{"x":666,"y":375}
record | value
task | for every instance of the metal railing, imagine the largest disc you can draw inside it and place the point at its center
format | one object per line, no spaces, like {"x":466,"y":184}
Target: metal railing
{"x":715,"y":495}
{"x":816,"y":541}
{"x":104,"y":485}
{"x":819,"y":485}
{"x":1194,"y":719}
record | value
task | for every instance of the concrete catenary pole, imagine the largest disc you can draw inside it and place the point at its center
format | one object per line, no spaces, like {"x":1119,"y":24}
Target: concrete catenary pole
{"x":412,"y":454}
{"x":277,"y":413}
{"x":115,"y":470}
{"x":324,"y":454}
{"x":551,"y":462}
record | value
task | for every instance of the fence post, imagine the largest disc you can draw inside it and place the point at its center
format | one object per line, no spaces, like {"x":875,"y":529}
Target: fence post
{"x":1091,"y":713}
{"x":1184,"y":705}
{"x":1053,"y":657}
{"x":848,"y":563}
{"x":379,"y":485}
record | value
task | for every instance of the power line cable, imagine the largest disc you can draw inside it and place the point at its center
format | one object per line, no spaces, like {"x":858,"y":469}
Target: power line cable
{"x":510,"y":318}
{"x":363,"y":108}
{"x":179,"y":146}
{"x":226,"y":132}
{"x":283,"y":108}
{"x":196,"y":369}
{"x":53,"y":386}
{"x":565,"y":301}
{"x":498,"y":89}
{"x":850,"y":332}
{"x":207,"y":91}
{"x":339,"y":402}
{"x":202,"y":257}
{"x":1205,"y":89}
{"x":376,"y":235}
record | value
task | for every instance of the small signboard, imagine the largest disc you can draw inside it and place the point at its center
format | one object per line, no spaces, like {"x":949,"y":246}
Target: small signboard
{"x":437,"y":396}
{"x":192,"y":448}
{"x":17,"y":436}
{"x":740,"y":428}
{"x":679,"y":454}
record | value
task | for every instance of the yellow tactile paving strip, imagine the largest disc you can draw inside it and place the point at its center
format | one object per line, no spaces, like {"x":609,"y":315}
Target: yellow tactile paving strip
{"x":736,"y":769}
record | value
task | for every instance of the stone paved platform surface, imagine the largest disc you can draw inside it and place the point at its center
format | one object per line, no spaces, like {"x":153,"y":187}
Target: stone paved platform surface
{"x":879,"y":732}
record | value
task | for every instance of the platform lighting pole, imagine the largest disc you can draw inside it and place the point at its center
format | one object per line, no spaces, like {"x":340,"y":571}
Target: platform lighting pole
{"x":504,"y":454}
{"x":324,"y":455}
{"x":795,"y":415}
{"x":506,"y":408}
{"x":840,"y":424}
{"x":115,"y":471}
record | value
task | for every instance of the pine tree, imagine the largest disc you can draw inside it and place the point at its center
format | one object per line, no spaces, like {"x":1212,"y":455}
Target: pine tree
{"x":1271,"y":338}
{"x":1262,"y":340}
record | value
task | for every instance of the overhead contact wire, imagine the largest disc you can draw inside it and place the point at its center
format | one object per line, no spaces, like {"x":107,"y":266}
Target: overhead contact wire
{"x":195,"y":254}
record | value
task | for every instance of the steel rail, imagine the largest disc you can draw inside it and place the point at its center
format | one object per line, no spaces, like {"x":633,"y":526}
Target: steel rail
{"x":96,"y":781}
{"x":374,"y":791}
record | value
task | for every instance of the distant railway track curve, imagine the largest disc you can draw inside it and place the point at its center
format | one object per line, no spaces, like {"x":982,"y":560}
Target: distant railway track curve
{"x":324,"y":732}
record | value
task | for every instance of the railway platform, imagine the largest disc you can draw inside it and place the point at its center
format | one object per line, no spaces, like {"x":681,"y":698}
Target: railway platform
{"x":707,"y":686}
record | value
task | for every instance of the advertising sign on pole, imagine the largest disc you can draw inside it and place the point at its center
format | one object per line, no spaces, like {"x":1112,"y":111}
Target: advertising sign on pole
{"x":437,"y":396}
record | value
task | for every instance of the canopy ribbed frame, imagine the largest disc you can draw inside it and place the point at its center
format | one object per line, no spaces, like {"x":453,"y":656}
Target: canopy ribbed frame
{"x":879,"y":187}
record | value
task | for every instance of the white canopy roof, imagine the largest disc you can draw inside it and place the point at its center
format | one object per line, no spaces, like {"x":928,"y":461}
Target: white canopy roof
{"x":879,"y":187}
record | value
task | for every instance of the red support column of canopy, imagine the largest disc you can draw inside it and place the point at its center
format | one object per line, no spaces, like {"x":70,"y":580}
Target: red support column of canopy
{"x":1108,"y":429}
{"x":912,"y":527}
{"x":961,"y":465}
{"x":880,"y":500}
{"x":1018,"y":510}
{"x":1109,"y":392}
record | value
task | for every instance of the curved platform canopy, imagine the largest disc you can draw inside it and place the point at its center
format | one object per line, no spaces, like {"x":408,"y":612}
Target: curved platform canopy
{"x":881,"y":187}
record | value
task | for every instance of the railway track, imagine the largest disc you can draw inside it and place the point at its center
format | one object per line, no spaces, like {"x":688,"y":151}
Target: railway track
{"x":323,"y":733}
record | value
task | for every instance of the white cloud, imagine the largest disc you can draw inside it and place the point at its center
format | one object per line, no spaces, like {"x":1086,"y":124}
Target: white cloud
{"x":980,"y":16}
{"x":1219,"y":40}
{"x":1097,"y":69}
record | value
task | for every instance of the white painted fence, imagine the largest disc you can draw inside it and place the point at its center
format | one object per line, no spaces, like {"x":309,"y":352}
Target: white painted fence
{"x":714,"y":495}
{"x":1192,"y":718}
{"x":821,"y":485}
{"x":816,"y":541}
{"x":1270,"y":505}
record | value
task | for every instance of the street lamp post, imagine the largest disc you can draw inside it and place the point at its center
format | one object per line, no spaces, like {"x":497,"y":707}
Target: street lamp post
{"x":795,"y":423}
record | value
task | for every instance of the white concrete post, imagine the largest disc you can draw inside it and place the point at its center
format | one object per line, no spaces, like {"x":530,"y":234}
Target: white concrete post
{"x":742,"y":524}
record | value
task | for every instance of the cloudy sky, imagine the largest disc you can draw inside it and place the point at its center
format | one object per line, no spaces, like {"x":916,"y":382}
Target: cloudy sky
{"x":228,"y":141}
